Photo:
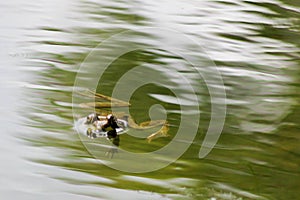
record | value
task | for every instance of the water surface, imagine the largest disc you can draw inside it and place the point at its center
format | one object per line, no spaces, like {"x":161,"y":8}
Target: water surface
{"x":254,"y":44}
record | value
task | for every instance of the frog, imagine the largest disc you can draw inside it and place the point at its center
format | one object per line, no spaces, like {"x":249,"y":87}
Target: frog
{"x":102,"y":106}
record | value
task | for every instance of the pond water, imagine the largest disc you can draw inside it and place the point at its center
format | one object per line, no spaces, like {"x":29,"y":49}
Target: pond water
{"x":254,"y":44}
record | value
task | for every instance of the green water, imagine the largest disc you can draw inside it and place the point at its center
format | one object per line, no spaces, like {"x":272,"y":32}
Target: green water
{"x":255,"y":47}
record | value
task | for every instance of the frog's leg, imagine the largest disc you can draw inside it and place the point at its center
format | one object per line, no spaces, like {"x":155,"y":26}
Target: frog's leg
{"x":91,"y":94}
{"x":103,"y":101}
{"x":112,"y":102}
{"x":103,"y":105}
{"x":109,"y":99}
{"x":163,"y":132}
{"x":145,"y":125}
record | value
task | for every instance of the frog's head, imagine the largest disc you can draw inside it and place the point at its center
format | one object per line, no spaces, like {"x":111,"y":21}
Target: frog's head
{"x":111,"y":119}
{"x":91,"y":118}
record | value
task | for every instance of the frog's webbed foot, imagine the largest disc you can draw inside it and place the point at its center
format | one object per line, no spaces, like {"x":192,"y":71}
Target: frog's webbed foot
{"x":163,"y":132}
